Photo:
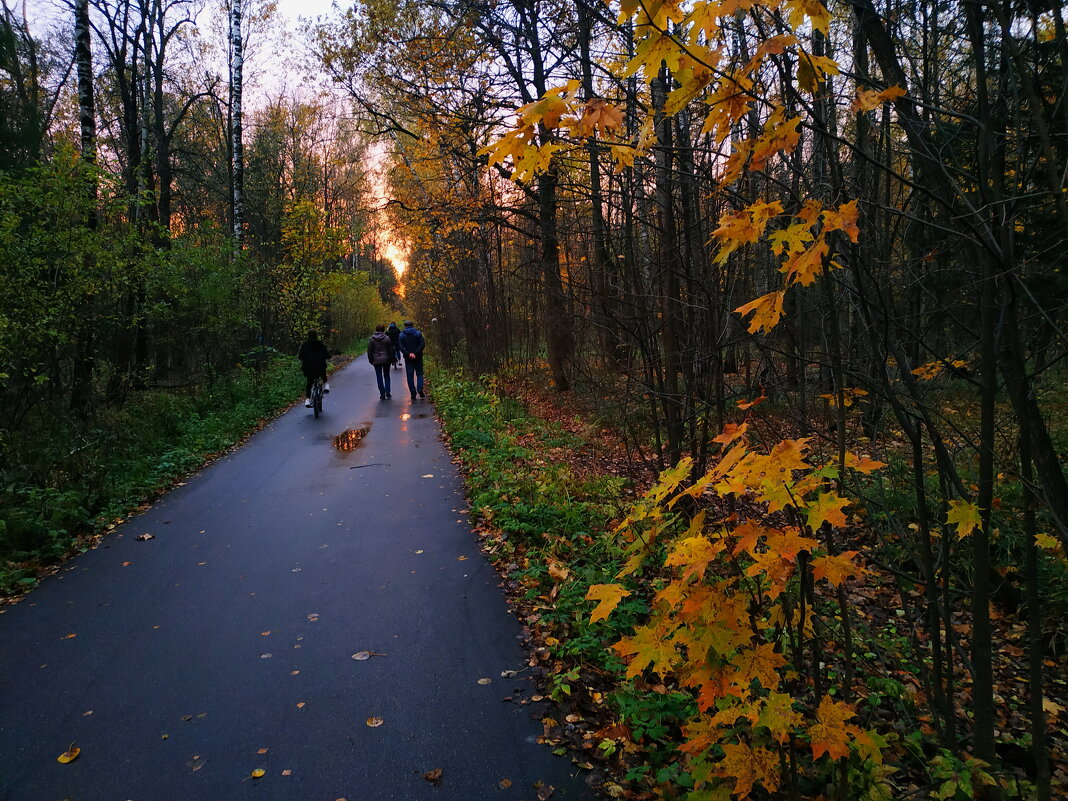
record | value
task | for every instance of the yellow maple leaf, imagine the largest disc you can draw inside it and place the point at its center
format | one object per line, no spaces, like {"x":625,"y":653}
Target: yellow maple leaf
{"x":831,"y":734}
{"x":767,"y":311}
{"x":868,"y":99}
{"x":826,"y":508}
{"x":730,"y":433}
{"x":965,"y":515}
{"x":792,"y":239}
{"x":862,"y":464}
{"x":802,"y":268}
{"x":779,"y":717}
{"x":650,"y":646}
{"x":693,"y":555}
{"x":748,"y":766}
{"x":844,"y":218}
{"x":835,"y":569}
{"x":608,"y":597}
{"x":1047,"y":542}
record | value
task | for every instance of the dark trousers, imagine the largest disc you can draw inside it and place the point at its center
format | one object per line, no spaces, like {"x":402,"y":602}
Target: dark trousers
{"x":382,"y":377}
{"x":310,"y":374}
{"x":414,"y":372}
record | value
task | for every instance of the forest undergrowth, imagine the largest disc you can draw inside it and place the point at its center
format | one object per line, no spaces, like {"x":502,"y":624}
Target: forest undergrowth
{"x":621,"y":578}
{"x":67,"y":482}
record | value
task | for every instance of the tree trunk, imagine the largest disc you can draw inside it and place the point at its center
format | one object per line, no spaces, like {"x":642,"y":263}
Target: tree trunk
{"x":237,"y":65}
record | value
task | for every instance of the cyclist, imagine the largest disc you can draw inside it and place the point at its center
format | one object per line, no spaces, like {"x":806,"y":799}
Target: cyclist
{"x":313,"y":355}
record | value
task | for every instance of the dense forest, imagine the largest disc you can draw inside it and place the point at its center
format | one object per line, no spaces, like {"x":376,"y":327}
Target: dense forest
{"x":801,"y":261}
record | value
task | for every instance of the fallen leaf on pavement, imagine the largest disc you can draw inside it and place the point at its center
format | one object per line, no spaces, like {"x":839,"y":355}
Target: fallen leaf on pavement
{"x":127,"y":564}
{"x":504,"y":784}
{"x":460,"y":558}
{"x":544,"y":791}
{"x":258,"y":773}
{"x":196,"y":763}
{"x":433,"y":776}
{"x":69,"y":755}
{"x":300,"y":705}
{"x":429,"y":475}
{"x":145,"y":537}
{"x":287,"y":773}
{"x":70,"y":636}
{"x":485,"y":681}
{"x":374,"y":722}
{"x":262,"y":750}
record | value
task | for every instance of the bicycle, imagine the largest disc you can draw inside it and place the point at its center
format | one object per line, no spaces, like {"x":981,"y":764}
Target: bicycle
{"x":317,"y":396}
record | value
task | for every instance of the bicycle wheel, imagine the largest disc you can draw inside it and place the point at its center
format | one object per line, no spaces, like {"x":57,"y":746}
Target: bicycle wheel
{"x":317,"y":398}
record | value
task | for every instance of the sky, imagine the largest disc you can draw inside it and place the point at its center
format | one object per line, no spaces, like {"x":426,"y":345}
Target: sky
{"x":274,"y":65}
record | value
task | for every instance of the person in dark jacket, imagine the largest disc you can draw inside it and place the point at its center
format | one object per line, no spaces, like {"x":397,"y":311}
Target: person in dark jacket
{"x":411,"y":345}
{"x":394,"y":335}
{"x":380,"y":354}
{"x":313,"y":356}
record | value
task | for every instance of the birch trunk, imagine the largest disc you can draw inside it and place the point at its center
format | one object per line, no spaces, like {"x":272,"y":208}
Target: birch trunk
{"x":237,"y":64}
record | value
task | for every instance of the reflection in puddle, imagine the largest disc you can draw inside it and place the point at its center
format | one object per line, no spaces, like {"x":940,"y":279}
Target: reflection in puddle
{"x":349,"y":440}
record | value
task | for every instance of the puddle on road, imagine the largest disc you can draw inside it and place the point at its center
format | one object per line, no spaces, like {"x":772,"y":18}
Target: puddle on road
{"x":350,"y":440}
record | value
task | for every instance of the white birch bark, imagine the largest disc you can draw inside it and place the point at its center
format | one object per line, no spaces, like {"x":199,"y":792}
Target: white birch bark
{"x":237,"y":148}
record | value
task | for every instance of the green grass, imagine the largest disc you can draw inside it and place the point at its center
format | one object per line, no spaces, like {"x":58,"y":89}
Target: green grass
{"x":63,"y":479}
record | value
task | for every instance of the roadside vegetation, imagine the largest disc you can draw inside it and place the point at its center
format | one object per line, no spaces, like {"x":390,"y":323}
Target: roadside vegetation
{"x":606,"y":566}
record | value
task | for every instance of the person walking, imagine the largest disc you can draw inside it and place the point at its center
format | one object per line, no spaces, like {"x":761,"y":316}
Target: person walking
{"x":313,"y":355}
{"x":380,"y":354}
{"x":412,"y":343}
{"x":394,"y":335}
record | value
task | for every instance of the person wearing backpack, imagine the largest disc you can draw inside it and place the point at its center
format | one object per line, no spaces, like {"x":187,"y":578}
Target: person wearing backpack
{"x":412,"y":343}
{"x":394,"y":336}
{"x":380,"y":354}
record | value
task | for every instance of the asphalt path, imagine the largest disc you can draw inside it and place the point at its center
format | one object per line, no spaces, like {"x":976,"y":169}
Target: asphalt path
{"x":224,"y":645}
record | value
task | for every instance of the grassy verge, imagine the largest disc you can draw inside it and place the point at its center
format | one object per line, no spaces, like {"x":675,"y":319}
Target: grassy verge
{"x":549,"y":530}
{"x":64,"y":481}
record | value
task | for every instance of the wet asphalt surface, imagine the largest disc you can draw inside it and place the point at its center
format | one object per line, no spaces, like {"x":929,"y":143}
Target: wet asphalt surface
{"x":224,"y":644}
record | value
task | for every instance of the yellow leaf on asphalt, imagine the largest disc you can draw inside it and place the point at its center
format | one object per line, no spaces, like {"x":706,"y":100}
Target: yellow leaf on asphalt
{"x":257,"y":773}
{"x":69,"y":755}
{"x":485,"y":681}
{"x":460,"y":558}
{"x":287,"y":772}
{"x":429,"y":475}
{"x":504,"y":784}
{"x":374,"y":722}
{"x":262,"y":750}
